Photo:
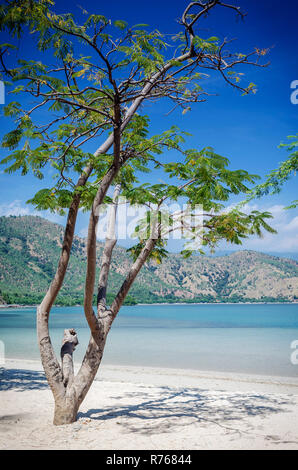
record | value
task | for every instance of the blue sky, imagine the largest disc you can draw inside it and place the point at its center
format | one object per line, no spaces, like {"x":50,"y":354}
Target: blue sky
{"x":246,"y":129}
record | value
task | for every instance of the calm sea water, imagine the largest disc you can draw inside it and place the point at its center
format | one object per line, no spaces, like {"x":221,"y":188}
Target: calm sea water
{"x":231,"y":338}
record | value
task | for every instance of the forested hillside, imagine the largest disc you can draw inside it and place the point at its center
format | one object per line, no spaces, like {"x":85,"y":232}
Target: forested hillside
{"x":30,"y":247}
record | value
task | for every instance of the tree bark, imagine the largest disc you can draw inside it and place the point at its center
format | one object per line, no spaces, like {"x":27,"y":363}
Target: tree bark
{"x":70,"y":342}
{"x":91,"y":362}
{"x":66,"y":409}
{"x":91,"y":249}
{"x":126,"y":285}
{"x":94,"y":353}
{"x":107,"y":254}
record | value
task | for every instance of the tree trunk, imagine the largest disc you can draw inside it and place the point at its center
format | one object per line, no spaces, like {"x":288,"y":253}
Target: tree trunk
{"x":66,"y":410}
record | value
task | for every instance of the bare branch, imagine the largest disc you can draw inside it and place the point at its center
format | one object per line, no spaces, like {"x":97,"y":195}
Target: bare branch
{"x":107,"y":254}
{"x":91,"y":250}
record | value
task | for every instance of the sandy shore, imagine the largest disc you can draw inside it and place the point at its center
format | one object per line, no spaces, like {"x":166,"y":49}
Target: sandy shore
{"x":146,"y":408}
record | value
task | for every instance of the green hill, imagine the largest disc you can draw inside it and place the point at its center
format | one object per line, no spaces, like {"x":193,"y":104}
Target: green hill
{"x":30,"y":247}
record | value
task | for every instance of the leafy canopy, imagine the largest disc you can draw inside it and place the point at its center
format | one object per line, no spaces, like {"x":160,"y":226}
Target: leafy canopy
{"x":278,"y":177}
{"x":203,"y":182}
{"x":99,"y":70}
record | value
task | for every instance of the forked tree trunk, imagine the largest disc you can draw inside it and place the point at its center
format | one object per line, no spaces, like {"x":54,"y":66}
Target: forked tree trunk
{"x":77,"y":387}
{"x":67,"y":406}
{"x":69,"y":390}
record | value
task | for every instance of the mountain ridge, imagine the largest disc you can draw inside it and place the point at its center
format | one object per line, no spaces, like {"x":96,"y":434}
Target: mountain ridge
{"x":30,"y":248}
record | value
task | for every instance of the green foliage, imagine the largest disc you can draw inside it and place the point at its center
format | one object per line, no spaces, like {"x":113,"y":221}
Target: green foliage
{"x":277,"y":178}
{"x":157,"y":254}
{"x":80,"y":95}
{"x":54,"y":200}
{"x":206,"y":183}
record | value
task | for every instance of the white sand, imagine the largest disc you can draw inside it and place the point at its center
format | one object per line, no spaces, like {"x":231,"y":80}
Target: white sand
{"x":144,"y":408}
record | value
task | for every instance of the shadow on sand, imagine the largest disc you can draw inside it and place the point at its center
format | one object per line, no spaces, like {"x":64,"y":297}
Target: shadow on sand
{"x":174,"y":408}
{"x":21,"y":380}
{"x":163,"y":409}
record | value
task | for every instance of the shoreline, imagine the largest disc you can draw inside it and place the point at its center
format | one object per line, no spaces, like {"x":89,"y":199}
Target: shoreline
{"x":11,"y":306}
{"x":175,"y":376}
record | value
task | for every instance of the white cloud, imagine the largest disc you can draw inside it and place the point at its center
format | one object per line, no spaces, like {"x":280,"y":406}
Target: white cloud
{"x":16,"y":208}
{"x":293,"y":225}
{"x":286,"y":224}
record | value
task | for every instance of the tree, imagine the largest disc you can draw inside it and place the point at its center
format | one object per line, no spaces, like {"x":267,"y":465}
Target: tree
{"x":83,"y":97}
{"x":277,"y":178}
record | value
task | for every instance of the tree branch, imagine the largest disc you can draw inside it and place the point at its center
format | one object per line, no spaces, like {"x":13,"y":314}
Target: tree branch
{"x":126,"y":285}
{"x":107,"y":254}
{"x":91,"y":250}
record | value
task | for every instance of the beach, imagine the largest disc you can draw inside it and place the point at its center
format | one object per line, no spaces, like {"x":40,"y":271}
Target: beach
{"x":151,"y":408}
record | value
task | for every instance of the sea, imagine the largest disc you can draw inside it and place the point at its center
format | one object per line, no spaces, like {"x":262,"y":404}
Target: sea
{"x":239,"y":338}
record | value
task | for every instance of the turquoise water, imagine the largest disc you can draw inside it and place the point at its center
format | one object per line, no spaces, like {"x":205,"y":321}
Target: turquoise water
{"x":232,"y":338}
